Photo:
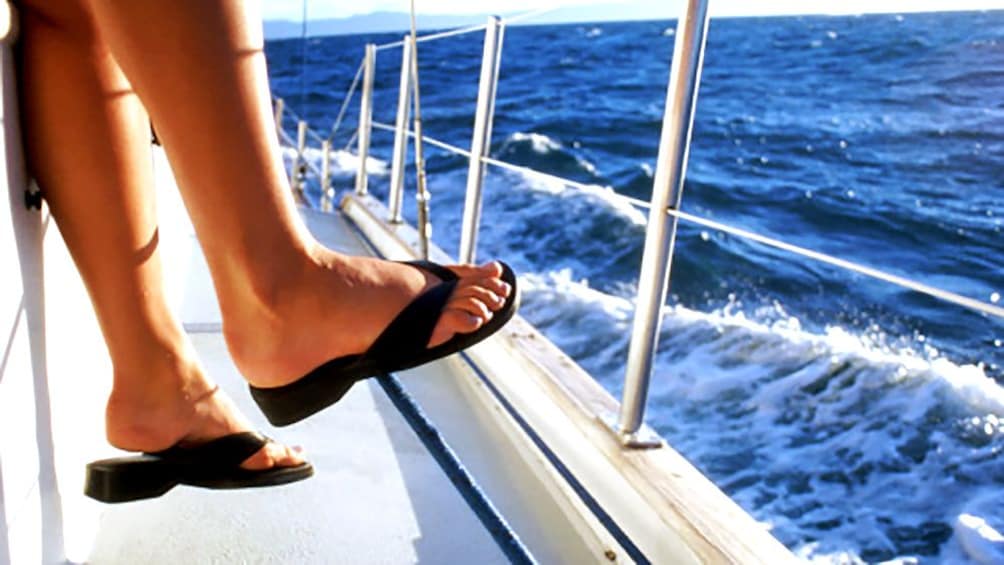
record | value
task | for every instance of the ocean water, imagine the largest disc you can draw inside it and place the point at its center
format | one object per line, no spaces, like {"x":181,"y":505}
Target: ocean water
{"x":859,"y":421}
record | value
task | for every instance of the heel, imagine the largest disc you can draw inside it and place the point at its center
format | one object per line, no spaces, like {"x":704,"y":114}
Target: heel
{"x":289,"y":404}
{"x":129,"y":478}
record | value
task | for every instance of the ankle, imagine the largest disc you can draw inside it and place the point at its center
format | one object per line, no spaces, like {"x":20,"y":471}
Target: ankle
{"x":258,"y":313}
{"x":261,"y":279}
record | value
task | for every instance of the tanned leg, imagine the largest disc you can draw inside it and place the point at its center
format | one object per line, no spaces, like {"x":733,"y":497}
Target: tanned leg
{"x":87,"y":141}
{"x":288,"y":303}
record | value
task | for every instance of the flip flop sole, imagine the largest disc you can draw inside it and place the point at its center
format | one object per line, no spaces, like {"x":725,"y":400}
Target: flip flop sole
{"x":126,"y":479}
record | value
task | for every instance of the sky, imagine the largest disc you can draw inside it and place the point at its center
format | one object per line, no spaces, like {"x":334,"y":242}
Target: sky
{"x":319,"y":9}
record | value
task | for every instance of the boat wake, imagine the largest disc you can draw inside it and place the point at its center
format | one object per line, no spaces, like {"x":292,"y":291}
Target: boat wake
{"x":827,"y":437}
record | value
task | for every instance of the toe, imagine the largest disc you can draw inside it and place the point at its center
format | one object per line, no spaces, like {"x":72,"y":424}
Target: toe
{"x":496,"y":286}
{"x":274,"y":455}
{"x":492,"y":269}
{"x":493,"y":301}
{"x":454,"y":321}
{"x":471,"y":305}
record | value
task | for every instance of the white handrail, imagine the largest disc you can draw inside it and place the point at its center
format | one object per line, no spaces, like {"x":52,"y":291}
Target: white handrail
{"x":481,"y":139}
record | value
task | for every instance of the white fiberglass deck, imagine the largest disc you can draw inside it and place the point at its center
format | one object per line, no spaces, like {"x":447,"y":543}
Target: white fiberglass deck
{"x":378,"y":497}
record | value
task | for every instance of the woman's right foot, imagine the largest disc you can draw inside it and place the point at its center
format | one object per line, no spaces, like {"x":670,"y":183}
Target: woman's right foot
{"x":337,"y":306}
{"x":178,"y":406}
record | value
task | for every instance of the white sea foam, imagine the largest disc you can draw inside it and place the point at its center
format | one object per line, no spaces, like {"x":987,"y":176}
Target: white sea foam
{"x":562,"y":287}
{"x":980,"y":540}
{"x":540,"y":143}
{"x":847,"y":431}
{"x":543,"y":145}
{"x":783,"y":332}
{"x":600,"y":195}
{"x":343,"y":163}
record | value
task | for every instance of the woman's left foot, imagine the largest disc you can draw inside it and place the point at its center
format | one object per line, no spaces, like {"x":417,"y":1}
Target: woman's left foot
{"x":337,"y":306}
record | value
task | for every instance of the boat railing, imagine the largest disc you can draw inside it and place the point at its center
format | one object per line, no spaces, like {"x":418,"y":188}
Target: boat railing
{"x":664,"y":208}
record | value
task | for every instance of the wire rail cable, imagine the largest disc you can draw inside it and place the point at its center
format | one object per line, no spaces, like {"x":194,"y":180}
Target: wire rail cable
{"x":947,"y":296}
{"x":468,"y":29}
{"x":345,"y":102}
{"x":431,"y":141}
{"x":941,"y":294}
{"x":315,"y":136}
{"x":283,"y":136}
{"x":434,"y":36}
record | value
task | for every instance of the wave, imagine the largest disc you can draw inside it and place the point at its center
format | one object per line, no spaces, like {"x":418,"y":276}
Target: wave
{"x":546,"y":153}
{"x":770,"y":333}
{"x":541,"y":153}
{"x":979,"y":539}
{"x":540,"y":143}
{"x":343,"y":163}
{"x":603,"y":196}
{"x":819,"y":435}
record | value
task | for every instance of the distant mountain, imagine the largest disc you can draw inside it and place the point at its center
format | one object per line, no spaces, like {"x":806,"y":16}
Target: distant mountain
{"x":379,"y":22}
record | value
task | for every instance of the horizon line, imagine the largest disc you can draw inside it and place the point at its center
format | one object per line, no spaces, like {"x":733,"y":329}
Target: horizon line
{"x":851,"y":13}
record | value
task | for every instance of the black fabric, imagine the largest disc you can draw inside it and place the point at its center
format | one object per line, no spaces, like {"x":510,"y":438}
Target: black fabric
{"x":227,"y":451}
{"x":409,"y":333}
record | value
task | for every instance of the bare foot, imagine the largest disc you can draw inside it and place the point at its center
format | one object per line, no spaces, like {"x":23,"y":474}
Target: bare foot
{"x":178,"y":405}
{"x":338,"y":305}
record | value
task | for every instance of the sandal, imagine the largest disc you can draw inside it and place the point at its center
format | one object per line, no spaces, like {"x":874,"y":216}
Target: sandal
{"x":402,"y":345}
{"x":214,"y":465}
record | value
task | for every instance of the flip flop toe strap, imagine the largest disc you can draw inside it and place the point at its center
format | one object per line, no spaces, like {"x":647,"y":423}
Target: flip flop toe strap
{"x":227,"y":451}
{"x":409,"y":333}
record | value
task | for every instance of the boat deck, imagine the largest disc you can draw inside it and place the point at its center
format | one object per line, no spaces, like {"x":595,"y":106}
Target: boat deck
{"x":378,"y":495}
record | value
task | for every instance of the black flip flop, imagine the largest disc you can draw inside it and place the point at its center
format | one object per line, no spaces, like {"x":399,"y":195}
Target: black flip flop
{"x":213,"y":465}
{"x":402,"y":345}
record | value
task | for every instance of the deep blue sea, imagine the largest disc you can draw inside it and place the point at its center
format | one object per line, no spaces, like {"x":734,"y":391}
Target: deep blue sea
{"x":859,"y":421}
